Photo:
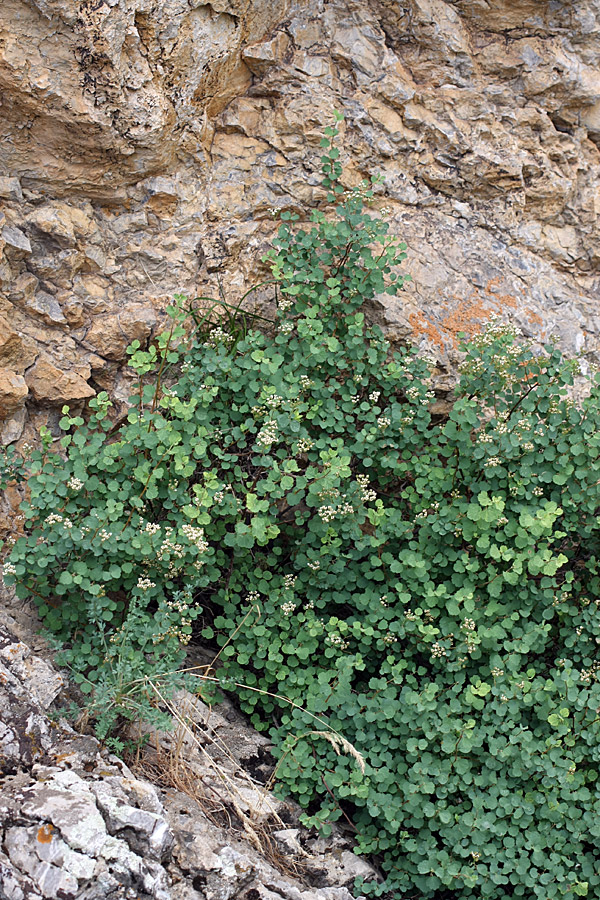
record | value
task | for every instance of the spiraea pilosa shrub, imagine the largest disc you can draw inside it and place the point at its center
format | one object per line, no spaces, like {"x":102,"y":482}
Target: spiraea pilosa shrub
{"x":428,"y":588}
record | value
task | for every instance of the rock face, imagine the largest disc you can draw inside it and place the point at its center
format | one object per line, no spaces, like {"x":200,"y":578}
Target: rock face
{"x":142,"y":145}
{"x":77,"y":824}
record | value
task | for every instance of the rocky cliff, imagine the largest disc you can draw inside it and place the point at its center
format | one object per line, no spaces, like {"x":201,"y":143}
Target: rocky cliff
{"x":77,"y":824}
{"x":142,"y":145}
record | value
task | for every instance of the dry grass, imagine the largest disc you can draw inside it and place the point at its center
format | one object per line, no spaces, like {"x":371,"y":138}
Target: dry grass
{"x":218,"y":782}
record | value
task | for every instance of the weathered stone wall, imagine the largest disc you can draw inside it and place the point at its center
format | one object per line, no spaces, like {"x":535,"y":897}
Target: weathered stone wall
{"x":142,"y":144}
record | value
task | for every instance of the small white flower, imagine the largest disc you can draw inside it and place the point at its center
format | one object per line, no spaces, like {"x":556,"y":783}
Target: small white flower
{"x":74,"y":484}
{"x":268,"y":434}
{"x":327,"y":513}
{"x":492,"y":462}
{"x":374,"y":396}
{"x":53,"y":519}
{"x":195,"y":536}
{"x":144,"y":584}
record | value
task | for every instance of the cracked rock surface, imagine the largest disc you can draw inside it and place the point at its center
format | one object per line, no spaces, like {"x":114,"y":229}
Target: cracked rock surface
{"x":143,"y":144}
{"x":77,"y":824}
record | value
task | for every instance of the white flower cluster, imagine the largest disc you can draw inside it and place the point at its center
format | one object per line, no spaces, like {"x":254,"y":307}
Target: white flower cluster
{"x":288,"y":608}
{"x":104,"y":535}
{"x":430,"y":509}
{"x":268,"y":434}
{"x":8,"y":568}
{"x":537,"y":492}
{"x":492,"y":462}
{"x":329,"y":512}
{"x":437,"y":650}
{"x":274,"y":401}
{"x":485,"y":438}
{"x":305,"y":382}
{"x":285,"y":304}
{"x":53,"y":519}
{"x":289,"y":581}
{"x":315,"y":565}
{"x":374,"y":396}
{"x":286,"y":327}
{"x":496,"y":672}
{"x":367,"y":494}
{"x":218,"y":336}
{"x":74,"y":484}
{"x":591,"y":674}
{"x":151,"y":527}
{"x":195,"y":536}
{"x":468,"y":624}
{"x":336,"y":640}
{"x":389,"y":638}
{"x":172,"y":548}
{"x":144,"y":584}
{"x":305,"y":444}
{"x":383,"y":422}
{"x":495,"y":329}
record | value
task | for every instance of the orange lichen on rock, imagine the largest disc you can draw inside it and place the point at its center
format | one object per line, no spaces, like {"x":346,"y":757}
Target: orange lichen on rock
{"x":465,"y":316}
{"x":45,"y":834}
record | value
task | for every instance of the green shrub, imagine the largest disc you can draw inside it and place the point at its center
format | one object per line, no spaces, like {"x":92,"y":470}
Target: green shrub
{"x":429,"y":588}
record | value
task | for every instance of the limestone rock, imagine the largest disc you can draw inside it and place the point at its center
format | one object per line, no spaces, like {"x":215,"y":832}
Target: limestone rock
{"x":16,"y":242}
{"x":111,"y":336}
{"x":13,"y":391}
{"x":12,"y":350}
{"x":48,"y":384}
{"x":10,"y":189}
{"x":76,"y":824}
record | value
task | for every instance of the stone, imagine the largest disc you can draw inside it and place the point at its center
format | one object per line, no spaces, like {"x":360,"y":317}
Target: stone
{"x":260,"y":57}
{"x":10,"y":189}
{"x":13,"y":391}
{"x":16,"y":241}
{"x":11,"y":429}
{"x":111,"y":337}
{"x":77,"y":824}
{"x":49,"y":384}
{"x":153,"y":836}
{"x":12,"y":350}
